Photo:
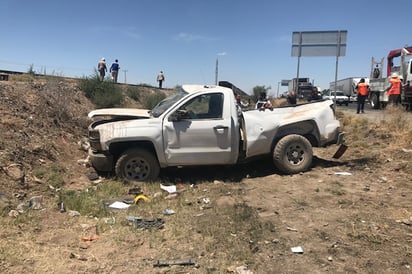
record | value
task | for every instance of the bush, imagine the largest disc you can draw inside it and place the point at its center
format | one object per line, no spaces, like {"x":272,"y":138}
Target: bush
{"x":133,"y":92}
{"x":149,"y":101}
{"x":102,"y":93}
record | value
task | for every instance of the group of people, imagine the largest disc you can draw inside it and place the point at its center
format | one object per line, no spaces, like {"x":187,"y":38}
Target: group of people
{"x":114,"y":71}
{"x":393,"y":92}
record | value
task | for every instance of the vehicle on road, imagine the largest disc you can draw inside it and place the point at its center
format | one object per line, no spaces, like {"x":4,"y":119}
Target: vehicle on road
{"x":338,"y":96}
{"x":377,"y":96}
{"x":348,"y":86}
{"x":202,"y":125}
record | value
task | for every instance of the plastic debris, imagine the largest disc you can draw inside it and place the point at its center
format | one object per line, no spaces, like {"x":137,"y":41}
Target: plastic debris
{"x":36,"y":202}
{"x":170,"y":189}
{"x":74,"y":213}
{"x":168,"y":212}
{"x":119,"y":205}
{"x":297,"y":249}
{"x":161,"y":263}
{"x":141,"y":197}
{"x":344,"y":173}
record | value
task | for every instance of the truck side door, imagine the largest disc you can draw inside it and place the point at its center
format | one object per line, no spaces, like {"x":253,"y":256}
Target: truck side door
{"x":202,"y":135}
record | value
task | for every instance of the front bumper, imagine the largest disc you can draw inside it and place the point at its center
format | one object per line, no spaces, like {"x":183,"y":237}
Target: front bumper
{"x":101,"y":161}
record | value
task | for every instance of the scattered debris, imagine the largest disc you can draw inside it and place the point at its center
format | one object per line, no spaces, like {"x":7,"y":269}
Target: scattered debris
{"x":161,"y":263}
{"x":343,"y":173}
{"x":84,"y":162}
{"x":291,"y":229}
{"x":405,"y":221}
{"x":168,"y":212}
{"x":172,"y":196}
{"x":141,"y":197}
{"x":74,"y":213}
{"x":239,"y":270}
{"x":89,"y":233}
{"x":61,"y":206}
{"x":119,"y":205}
{"x":170,"y":189}
{"x":297,"y":250}
{"x":110,"y":221}
{"x":141,"y":223}
{"x":15,"y":171}
{"x":36,"y":202}
{"x":77,"y":256}
{"x":13,"y":213}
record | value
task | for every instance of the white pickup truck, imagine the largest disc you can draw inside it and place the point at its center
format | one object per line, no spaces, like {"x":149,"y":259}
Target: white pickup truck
{"x":202,"y":125}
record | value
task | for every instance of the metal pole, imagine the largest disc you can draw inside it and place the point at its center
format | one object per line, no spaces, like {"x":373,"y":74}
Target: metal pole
{"x":336,"y":68}
{"x":125,"y":76}
{"x":277,"y":94}
{"x":217,"y":70}
{"x":296,"y":84}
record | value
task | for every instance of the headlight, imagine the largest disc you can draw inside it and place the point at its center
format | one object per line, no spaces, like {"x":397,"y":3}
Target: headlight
{"x":94,"y":140}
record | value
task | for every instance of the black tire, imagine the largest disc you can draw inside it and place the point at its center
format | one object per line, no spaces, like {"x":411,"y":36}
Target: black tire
{"x":137,"y":164}
{"x":374,"y":101}
{"x":293,"y":154}
{"x":346,"y":104}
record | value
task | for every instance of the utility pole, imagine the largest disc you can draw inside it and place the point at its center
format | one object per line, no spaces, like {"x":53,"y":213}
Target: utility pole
{"x":125,"y":70}
{"x":277,"y":93}
{"x":217,"y":70}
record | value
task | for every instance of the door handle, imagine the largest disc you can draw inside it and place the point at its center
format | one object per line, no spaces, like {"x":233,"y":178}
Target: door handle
{"x":220,"y":129}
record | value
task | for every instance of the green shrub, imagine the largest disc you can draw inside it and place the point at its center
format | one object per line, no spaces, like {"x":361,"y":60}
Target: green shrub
{"x":101,"y":93}
{"x":150,"y":100}
{"x":133,"y":92}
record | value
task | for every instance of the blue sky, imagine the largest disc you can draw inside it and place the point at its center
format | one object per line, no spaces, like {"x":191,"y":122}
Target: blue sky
{"x":251,"y":39}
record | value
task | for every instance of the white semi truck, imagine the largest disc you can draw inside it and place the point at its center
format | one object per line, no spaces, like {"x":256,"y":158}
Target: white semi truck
{"x":348,"y":86}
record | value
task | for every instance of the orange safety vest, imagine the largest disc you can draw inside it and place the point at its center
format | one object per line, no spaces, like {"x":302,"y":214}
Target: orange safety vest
{"x":395,"y":86}
{"x":363,"y":89}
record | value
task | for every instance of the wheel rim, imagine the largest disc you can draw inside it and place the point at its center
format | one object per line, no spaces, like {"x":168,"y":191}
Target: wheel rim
{"x":137,"y":169}
{"x":295,"y":154}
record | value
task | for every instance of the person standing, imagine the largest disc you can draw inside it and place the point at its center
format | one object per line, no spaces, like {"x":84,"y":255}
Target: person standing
{"x":292,"y":98}
{"x":263,"y":102}
{"x":394,"y":90}
{"x":102,"y":68}
{"x":114,"y":70}
{"x":363,"y":91}
{"x":160,"y":78}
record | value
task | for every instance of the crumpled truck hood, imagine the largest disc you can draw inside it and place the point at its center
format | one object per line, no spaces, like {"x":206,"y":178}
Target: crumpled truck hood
{"x":123,"y":112}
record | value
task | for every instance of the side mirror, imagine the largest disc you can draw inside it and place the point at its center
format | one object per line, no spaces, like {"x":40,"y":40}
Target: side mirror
{"x":178,"y":115}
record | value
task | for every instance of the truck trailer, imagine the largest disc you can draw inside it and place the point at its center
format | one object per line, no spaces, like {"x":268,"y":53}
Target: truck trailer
{"x":348,"y":86}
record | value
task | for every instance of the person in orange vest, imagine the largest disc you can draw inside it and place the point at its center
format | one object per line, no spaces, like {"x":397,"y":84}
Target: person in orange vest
{"x":394,"y":90}
{"x":363,"y":91}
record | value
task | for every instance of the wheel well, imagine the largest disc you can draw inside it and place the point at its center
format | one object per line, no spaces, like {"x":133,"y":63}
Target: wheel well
{"x":116,"y":149}
{"x":307,"y":129}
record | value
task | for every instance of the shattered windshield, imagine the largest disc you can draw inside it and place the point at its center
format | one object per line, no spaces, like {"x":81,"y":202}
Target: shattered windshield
{"x":163,"y":105}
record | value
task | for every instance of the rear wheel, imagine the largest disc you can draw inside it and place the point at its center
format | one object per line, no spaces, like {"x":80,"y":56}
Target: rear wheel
{"x":293,"y":154}
{"x":137,"y":164}
{"x":374,"y":100}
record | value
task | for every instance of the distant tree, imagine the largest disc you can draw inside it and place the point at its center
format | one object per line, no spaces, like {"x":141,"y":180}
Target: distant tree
{"x":257,"y":90}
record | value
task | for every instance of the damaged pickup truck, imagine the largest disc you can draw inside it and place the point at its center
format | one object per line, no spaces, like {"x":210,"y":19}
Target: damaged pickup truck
{"x":203,"y":125}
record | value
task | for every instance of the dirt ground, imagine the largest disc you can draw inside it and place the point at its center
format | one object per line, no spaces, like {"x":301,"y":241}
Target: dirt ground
{"x":352,"y":215}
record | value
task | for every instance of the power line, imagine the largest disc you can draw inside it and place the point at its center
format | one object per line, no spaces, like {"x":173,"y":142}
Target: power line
{"x":125,"y":70}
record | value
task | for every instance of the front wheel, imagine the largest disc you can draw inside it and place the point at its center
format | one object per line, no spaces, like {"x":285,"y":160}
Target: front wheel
{"x":293,"y":154}
{"x":137,"y":164}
